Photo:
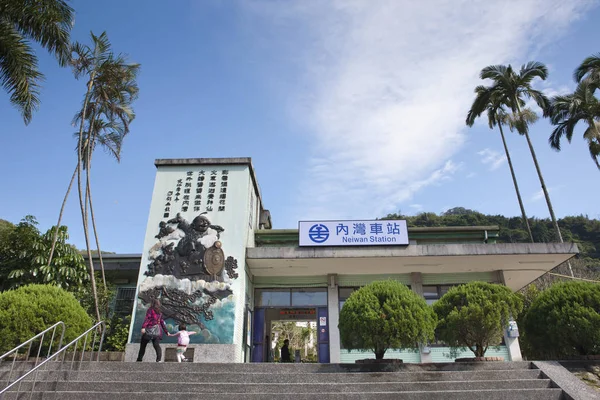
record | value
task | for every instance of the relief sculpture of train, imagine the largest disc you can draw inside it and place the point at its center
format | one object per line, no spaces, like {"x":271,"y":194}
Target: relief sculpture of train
{"x":190,"y":274}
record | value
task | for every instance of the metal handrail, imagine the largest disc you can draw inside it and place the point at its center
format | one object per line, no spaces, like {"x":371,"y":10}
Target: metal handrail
{"x":62,"y":350}
{"x":30,"y":342}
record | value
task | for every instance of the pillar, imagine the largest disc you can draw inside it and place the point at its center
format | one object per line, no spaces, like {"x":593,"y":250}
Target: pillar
{"x":416,"y":285}
{"x":334,"y":318}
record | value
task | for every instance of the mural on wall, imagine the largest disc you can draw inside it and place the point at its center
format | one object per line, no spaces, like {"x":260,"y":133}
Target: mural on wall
{"x":188,"y":269}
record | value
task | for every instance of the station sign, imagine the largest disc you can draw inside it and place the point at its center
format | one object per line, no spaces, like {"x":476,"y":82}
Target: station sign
{"x":353,"y":233}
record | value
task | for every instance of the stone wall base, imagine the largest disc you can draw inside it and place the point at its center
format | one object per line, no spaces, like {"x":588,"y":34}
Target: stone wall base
{"x":203,"y":353}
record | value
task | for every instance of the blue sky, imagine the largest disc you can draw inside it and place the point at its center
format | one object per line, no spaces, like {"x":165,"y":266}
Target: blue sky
{"x":349,"y":109}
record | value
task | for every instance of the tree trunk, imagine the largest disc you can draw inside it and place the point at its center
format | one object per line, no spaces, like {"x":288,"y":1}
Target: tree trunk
{"x":539,"y":172}
{"x":514,"y":178}
{"x":90,"y":146}
{"x":81,"y":204}
{"x":379,"y":354}
{"x":89,"y":189}
{"x":479,"y":351}
{"x":60,"y":215}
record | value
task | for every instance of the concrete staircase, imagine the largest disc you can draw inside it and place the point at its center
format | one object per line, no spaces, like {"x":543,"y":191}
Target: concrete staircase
{"x":186,"y":381}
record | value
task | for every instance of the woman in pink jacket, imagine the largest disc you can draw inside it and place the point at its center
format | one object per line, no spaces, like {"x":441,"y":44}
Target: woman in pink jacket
{"x":152,"y":330}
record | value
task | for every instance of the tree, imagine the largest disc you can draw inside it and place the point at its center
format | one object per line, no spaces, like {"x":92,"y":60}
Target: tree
{"x":30,"y":309}
{"x":567,"y":111}
{"x":385,"y":315}
{"x":46,"y":22}
{"x":589,"y":70}
{"x":511,"y":89}
{"x":103,"y":120}
{"x":474,"y":315}
{"x":23,"y":258}
{"x":564,"y":320}
{"x":486,"y":100}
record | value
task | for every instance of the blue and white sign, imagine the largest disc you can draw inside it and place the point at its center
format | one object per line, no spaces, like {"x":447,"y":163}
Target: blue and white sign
{"x":353,"y":233}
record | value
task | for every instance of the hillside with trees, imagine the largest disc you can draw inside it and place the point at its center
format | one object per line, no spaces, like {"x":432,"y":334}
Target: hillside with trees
{"x":578,"y":229}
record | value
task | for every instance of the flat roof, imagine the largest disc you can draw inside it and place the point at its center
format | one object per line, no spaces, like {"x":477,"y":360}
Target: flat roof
{"x":521,"y":263}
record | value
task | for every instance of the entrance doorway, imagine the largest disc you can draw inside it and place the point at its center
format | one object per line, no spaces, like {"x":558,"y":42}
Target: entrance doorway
{"x":299,"y":315}
{"x":299,"y":328}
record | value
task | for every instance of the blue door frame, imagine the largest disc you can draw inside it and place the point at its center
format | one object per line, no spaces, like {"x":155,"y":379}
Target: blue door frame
{"x":323,"y":334}
{"x":259,"y":335}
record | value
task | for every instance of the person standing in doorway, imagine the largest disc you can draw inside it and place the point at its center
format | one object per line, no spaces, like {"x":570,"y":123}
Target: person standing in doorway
{"x":152,"y":330}
{"x":285,"y":352}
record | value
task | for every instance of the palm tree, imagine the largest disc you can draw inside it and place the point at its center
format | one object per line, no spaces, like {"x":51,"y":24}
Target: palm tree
{"x":486,"y":101}
{"x":567,"y":111}
{"x":589,"y":70}
{"x":512,"y":89}
{"x":103,"y":120}
{"x":46,"y":22}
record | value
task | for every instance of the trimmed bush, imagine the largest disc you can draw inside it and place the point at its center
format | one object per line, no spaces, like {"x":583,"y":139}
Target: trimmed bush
{"x":385,"y":315}
{"x":28,"y":310}
{"x":564,"y":321}
{"x":475,"y":315}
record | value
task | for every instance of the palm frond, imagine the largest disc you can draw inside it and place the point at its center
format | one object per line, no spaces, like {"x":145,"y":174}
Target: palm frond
{"x":48,"y":22}
{"x":589,"y":66}
{"x":19,"y":72}
{"x":540,"y":98}
{"x":480,"y":104}
{"x":531,"y":70}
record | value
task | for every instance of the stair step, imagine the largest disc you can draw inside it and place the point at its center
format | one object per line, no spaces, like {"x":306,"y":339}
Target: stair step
{"x":276,"y":367}
{"x":492,"y":394}
{"x":282,"y":388}
{"x":262,"y":377}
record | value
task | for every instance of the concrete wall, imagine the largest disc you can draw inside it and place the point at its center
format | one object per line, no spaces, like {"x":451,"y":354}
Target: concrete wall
{"x":222,"y":338}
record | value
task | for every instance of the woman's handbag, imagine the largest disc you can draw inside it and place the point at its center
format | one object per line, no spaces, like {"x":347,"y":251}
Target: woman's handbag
{"x":153,"y":332}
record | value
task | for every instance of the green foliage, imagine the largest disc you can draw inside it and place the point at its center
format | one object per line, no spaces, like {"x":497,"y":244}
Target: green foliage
{"x":24,"y":256}
{"x":5,"y":228}
{"x":48,"y":23}
{"x":474,"y":315}
{"x":30,"y":309}
{"x":564,"y":320}
{"x":106,"y":295}
{"x":385,"y":315}
{"x":579,"y":229}
{"x":117,"y":331}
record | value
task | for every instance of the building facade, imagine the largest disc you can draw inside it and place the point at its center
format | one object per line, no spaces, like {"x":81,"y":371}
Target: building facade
{"x":213,"y":260}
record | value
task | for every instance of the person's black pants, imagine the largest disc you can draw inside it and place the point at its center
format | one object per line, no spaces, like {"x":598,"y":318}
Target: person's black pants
{"x":144,"y":343}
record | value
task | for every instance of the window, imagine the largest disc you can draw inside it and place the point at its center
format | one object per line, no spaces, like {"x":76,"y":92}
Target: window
{"x":434,"y":293}
{"x":273,"y":298}
{"x":309,"y":297}
{"x":344,"y":293}
{"x":124,"y":301}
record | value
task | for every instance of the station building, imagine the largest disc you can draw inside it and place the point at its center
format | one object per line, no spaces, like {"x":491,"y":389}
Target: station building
{"x":212,"y":258}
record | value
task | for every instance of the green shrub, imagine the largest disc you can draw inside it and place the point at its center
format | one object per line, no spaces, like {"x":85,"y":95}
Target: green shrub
{"x":28,"y":310}
{"x":475,"y":315}
{"x":117,"y":332}
{"x":564,"y":320}
{"x":385,"y":315}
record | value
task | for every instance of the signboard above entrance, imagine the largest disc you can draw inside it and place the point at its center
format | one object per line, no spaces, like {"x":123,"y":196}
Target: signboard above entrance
{"x":353,"y":233}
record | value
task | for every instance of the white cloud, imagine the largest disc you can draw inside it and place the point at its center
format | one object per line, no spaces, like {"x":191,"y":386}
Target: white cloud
{"x":492,"y":158}
{"x":539,"y":195}
{"x":471,"y":175}
{"x":416,"y":207}
{"x":385,"y":86}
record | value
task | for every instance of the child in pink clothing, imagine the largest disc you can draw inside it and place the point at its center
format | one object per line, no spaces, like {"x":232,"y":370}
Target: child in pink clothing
{"x":183,"y":339}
